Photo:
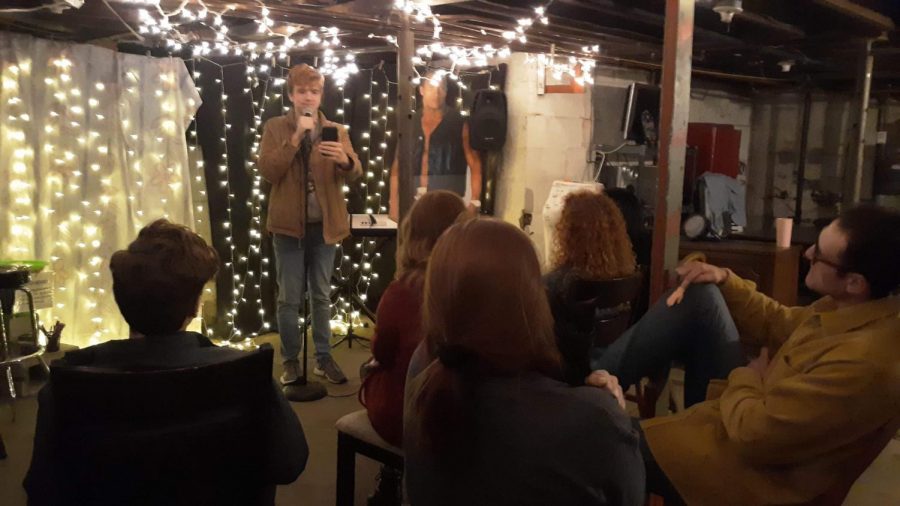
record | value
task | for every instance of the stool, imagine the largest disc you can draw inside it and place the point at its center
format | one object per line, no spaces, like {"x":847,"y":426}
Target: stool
{"x":12,"y":281}
{"x":356,"y":435}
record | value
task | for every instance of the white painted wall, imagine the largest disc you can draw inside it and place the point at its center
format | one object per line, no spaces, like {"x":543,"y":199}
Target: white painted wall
{"x":548,"y":139}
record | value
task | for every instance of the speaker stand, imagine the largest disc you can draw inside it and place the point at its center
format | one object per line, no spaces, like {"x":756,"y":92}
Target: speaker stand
{"x":304,"y":390}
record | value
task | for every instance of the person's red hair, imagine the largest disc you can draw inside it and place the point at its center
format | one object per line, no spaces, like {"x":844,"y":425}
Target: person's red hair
{"x":304,"y":76}
{"x":420,"y":229}
{"x":484,"y":314}
{"x":591,"y":238}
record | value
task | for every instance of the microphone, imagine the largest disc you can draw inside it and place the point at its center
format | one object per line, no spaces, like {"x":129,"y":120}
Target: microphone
{"x":307,"y":113}
{"x":306,"y":142}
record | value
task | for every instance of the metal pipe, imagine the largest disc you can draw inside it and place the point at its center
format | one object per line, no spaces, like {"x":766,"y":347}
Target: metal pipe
{"x":863,"y":88}
{"x":678,"y":41}
{"x":801,"y":161}
{"x":881,"y":127}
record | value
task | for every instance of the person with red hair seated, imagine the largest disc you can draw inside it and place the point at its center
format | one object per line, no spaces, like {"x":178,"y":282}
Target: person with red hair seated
{"x":591,"y":244}
{"x":488,"y":420}
{"x":399,"y":328}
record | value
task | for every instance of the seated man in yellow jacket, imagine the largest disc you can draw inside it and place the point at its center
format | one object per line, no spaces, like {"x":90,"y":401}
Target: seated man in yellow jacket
{"x":783,"y":428}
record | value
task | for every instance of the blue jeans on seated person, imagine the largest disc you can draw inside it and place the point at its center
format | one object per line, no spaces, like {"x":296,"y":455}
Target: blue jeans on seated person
{"x":289,"y":252}
{"x":699,"y":332}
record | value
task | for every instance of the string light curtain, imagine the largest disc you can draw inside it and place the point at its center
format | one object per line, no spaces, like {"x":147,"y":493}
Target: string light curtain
{"x":364,"y":105}
{"x":92,"y":148}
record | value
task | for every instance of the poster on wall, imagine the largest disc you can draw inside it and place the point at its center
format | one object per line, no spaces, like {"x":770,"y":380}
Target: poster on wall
{"x":443,"y":156}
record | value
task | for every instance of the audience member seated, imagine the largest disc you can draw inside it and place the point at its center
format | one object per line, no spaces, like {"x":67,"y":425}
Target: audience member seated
{"x":591,"y":244}
{"x":157,"y":284}
{"x":489,"y":421}
{"x":785,"y":426}
{"x":398,"y":328}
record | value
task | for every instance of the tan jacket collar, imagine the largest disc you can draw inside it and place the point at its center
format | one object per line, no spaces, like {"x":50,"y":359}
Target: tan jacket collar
{"x":838,"y":321}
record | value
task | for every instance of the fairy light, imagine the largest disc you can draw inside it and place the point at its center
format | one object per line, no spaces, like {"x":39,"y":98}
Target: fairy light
{"x":225,"y":185}
{"x":254,"y":261}
{"x":154,"y":22}
{"x":265,"y":61}
{"x":578,"y":67}
{"x":581,"y":70}
{"x":462,"y":56}
{"x":75,"y":217}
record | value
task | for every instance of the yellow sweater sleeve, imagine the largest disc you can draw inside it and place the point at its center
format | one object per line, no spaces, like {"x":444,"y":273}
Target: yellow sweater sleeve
{"x":805,"y":415}
{"x":760,"y":320}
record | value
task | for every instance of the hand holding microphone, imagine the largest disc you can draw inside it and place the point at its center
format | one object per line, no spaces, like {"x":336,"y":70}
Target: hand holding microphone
{"x":305,"y":123}
{"x":329,"y":147}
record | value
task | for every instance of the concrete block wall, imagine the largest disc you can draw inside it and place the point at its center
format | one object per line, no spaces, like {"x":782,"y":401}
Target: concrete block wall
{"x":548,"y":139}
{"x":775,"y":151}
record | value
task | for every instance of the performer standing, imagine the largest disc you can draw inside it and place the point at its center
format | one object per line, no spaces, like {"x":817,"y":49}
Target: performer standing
{"x":320,"y":205}
{"x":443,"y":153}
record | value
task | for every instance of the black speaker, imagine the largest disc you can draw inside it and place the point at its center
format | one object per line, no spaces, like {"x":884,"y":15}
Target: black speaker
{"x":487,"y":125}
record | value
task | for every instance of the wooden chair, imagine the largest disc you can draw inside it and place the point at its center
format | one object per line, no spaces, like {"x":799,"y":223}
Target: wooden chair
{"x":178,"y":436}
{"x":607,"y":309}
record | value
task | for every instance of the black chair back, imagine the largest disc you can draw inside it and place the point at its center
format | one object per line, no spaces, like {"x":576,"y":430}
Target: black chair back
{"x":179,"y":436}
{"x":604,"y":308}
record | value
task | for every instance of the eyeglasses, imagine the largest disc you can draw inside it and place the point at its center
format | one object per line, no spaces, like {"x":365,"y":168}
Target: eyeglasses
{"x":817,"y":258}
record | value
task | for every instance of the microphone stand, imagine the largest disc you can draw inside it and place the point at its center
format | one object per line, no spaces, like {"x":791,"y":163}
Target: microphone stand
{"x":305,"y":390}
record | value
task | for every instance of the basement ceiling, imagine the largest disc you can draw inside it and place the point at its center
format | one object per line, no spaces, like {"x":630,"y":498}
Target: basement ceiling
{"x":823,"y":39}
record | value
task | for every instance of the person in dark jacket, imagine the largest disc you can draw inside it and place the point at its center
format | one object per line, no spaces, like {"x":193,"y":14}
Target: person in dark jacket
{"x":157,"y":284}
{"x":399,"y":328}
{"x":592,"y":244}
{"x":488,"y":421}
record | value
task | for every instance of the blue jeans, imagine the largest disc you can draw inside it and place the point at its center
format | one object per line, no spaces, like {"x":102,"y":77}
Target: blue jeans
{"x":289,"y":252}
{"x":699,"y":332}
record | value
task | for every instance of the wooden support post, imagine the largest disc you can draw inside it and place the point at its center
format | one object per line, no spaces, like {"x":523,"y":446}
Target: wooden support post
{"x":675,"y":106}
{"x":406,"y":95}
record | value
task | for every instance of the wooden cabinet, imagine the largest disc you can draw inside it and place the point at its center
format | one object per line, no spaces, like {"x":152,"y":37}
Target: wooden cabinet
{"x":774,"y":270}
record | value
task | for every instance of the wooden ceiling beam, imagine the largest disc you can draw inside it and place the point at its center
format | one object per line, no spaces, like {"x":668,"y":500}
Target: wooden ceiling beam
{"x":859,"y":13}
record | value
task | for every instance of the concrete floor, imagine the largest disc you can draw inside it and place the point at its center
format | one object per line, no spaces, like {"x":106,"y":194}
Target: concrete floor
{"x":878,"y":486}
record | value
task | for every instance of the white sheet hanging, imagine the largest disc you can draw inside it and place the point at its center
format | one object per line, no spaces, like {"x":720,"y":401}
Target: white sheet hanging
{"x":92,"y":148}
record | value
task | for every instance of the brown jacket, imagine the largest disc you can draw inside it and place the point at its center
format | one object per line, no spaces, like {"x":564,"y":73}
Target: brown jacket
{"x":833,"y":382}
{"x":287,"y":200}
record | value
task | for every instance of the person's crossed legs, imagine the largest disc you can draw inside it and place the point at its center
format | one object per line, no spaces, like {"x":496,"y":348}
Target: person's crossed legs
{"x":699,"y":332}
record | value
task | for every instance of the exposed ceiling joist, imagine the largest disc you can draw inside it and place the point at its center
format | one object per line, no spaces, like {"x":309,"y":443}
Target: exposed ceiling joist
{"x":859,"y":13}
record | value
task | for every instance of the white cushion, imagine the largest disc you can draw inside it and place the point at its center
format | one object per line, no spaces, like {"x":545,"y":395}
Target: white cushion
{"x":357,"y":424}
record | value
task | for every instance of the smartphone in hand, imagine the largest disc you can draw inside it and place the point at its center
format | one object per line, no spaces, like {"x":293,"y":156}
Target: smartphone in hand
{"x":329,"y":134}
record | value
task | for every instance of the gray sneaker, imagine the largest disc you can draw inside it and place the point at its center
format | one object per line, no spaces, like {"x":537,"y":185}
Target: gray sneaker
{"x":291,"y":372}
{"x":329,"y":369}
